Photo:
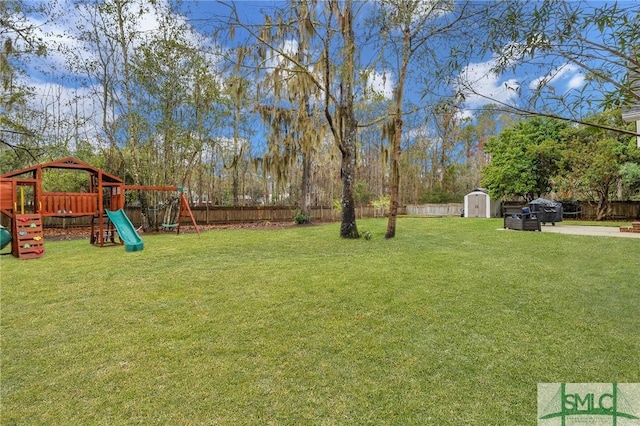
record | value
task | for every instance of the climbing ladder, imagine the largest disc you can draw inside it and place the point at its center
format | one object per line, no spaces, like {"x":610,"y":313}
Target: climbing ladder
{"x":28,"y":238}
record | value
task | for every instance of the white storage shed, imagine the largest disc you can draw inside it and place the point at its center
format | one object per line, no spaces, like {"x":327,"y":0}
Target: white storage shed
{"x":477,"y":203}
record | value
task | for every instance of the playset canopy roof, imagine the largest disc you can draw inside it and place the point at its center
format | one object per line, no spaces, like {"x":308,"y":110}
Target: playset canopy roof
{"x":65,"y":163}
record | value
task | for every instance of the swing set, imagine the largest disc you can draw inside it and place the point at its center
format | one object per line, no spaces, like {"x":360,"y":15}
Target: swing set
{"x":171,"y":210}
{"x":25,"y":203}
{"x":164,"y":215}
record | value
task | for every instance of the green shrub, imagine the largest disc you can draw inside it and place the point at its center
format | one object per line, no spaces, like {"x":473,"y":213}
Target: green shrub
{"x":301,"y":218}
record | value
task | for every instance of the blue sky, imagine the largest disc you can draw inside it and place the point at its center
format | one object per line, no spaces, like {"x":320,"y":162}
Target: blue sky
{"x":565,"y":77}
{"x":57,"y":82}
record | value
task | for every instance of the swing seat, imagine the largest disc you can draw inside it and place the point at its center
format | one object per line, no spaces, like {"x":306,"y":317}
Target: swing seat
{"x":169,"y":226}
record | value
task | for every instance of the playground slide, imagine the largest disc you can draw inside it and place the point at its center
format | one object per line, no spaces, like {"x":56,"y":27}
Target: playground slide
{"x":126,"y":231}
{"x":5,"y":237}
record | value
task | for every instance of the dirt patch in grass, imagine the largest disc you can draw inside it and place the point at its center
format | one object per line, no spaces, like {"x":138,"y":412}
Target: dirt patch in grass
{"x":64,"y":234}
{"x":77,"y":233}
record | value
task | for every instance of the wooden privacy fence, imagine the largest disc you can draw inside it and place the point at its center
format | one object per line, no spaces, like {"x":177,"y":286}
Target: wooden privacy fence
{"x":240,"y":214}
{"x":220,"y":215}
{"x":619,"y":210}
{"x":214,"y":215}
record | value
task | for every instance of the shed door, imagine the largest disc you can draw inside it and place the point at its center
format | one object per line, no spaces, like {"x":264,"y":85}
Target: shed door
{"x":477,"y":205}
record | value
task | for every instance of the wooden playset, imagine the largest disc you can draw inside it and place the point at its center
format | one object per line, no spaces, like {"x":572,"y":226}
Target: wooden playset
{"x":24,"y":202}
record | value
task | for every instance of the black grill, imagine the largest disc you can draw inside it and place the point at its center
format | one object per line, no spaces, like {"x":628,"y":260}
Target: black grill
{"x":546,"y":210}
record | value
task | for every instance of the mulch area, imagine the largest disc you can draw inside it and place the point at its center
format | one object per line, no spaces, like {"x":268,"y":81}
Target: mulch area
{"x":78,"y":233}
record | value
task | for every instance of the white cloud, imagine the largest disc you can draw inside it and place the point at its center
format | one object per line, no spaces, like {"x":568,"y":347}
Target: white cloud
{"x":72,"y":109}
{"x":290,"y":47}
{"x":420,"y":10}
{"x":380,"y":84}
{"x":61,"y":34}
{"x":480,"y":85}
{"x":567,"y":74}
{"x":577,"y":81}
{"x":278,"y":58}
{"x":464,"y":114}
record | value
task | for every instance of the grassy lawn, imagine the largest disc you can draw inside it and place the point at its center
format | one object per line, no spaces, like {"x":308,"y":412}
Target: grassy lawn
{"x":452,"y":322}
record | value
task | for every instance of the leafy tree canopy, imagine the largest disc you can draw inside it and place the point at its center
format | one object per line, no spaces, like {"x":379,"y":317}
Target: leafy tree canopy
{"x":524,"y":159}
{"x":593,"y":161}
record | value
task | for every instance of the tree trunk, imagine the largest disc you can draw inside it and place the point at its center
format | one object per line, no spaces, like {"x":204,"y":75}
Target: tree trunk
{"x":236,"y":136}
{"x":396,"y":149}
{"x":603,"y":208}
{"x":395,"y":176}
{"x":345,"y":126}
{"x":234,"y":184}
{"x":305,"y":196}
{"x":348,"y":228}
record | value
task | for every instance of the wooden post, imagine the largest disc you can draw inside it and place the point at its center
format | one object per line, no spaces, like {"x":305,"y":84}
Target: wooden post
{"x":185,"y":210}
{"x":100,"y":210}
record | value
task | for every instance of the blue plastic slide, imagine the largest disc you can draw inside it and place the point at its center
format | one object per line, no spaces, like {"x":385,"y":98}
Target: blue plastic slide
{"x":126,"y":231}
